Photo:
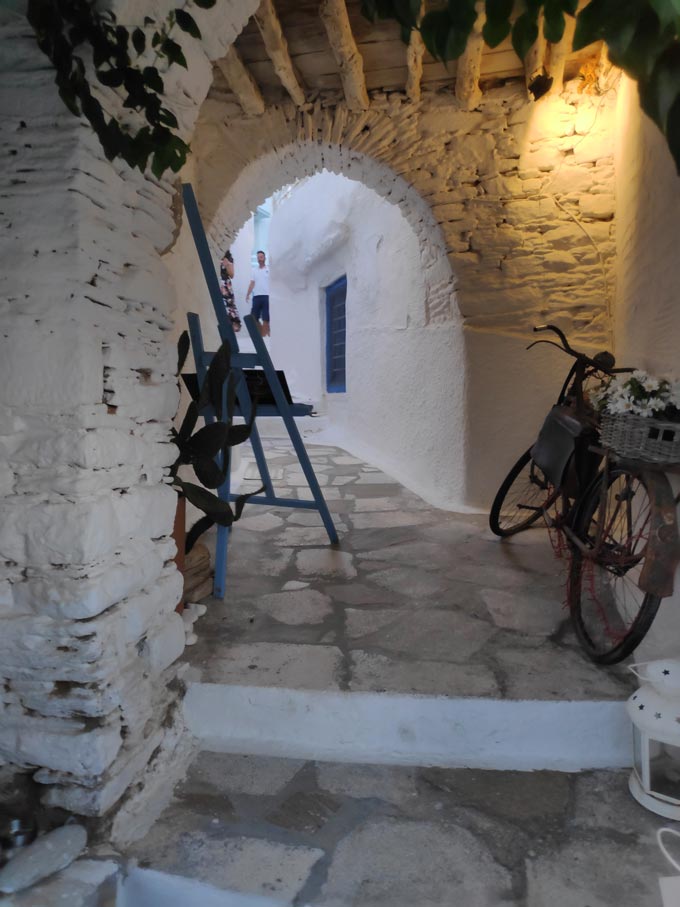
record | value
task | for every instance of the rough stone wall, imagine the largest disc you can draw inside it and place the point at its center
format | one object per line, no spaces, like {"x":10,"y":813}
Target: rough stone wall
{"x":518,"y":196}
{"x":88,"y":587}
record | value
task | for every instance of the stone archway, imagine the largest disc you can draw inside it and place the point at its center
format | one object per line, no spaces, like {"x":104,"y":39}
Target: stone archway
{"x":416,"y":374}
{"x":275,"y":168}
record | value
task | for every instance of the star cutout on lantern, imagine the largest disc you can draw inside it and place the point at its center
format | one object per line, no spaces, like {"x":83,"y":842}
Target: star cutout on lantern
{"x":641,"y":706}
{"x":657,"y":714}
{"x":666,"y":672}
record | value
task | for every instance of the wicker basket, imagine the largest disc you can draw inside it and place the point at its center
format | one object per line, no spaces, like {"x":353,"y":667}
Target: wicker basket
{"x":640,"y":438}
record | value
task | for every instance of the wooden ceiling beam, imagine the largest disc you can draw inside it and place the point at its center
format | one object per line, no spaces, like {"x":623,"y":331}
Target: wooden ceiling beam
{"x":534,"y":62}
{"x":242,"y":83}
{"x":469,"y":65}
{"x":414,"y":62}
{"x":346,"y":53}
{"x":557,"y":54}
{"x":277,"y":48}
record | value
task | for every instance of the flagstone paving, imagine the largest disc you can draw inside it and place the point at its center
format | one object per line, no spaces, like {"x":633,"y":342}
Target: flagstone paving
{"x":413,"y":599}
{"x":338,"y":835}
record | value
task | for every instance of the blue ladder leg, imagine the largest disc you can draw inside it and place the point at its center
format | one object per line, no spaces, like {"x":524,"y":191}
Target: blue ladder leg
{"x":289,"y":422}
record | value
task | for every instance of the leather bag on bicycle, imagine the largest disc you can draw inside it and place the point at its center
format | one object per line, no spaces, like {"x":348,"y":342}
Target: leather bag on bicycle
{"x":556,"y":443}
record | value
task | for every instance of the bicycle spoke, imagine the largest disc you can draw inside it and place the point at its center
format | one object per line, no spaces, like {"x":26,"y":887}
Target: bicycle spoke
{"x":611,"y":613}
{"x":522,"y":498}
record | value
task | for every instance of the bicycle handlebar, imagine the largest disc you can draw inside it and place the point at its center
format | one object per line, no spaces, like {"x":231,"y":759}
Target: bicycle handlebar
{"x":603,"y":362}
{"x":560,"y":334}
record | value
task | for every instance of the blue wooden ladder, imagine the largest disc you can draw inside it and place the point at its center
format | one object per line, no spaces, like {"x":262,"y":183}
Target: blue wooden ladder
{"x":282,"y":408}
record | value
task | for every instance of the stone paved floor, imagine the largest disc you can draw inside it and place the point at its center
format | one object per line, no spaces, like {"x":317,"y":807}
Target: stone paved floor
{"x":414,"y":599}
{"x":332,"y":835}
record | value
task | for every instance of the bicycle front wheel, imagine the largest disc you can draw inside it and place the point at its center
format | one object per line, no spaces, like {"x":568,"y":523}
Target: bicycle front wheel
{"x":522,"y":498}
{"x":610,"y":613}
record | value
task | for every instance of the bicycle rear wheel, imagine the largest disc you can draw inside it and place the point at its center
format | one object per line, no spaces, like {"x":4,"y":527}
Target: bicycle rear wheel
{"x":610,"y":613}
{"x":521,"y":500}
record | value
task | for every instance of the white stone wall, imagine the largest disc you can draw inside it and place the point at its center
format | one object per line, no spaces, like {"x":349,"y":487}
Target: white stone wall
{"x":88,"y":587}
{"x":647,"y":319}
{"x":405,"y":387}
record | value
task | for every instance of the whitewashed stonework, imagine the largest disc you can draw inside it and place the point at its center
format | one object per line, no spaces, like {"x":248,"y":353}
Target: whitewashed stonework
{"x":88,"y":634}
{"x":89,"y":638}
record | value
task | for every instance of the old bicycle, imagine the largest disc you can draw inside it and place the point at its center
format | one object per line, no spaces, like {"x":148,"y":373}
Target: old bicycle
{"x":617,"y":515}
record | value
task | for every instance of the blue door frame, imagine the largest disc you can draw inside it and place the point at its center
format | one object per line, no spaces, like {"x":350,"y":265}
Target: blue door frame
{"x":336,"y":334}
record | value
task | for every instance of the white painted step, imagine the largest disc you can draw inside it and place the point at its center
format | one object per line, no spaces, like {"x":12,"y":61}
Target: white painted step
{"x":407,"y":729}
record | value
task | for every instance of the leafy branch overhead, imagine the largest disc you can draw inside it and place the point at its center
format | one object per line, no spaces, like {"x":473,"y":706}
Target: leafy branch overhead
{"x":79,"y":38}
{"x":642,"y":38}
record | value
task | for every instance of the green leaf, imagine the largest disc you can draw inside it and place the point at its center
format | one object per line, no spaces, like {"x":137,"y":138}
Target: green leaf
{"x":406,"y":12}
{"x":369,"y":10}
{"x":208,"y":441}
{"x":602,"y":19}
{"x":524,"y":34}
{"x":209,"y":473}
{"x":196,"y":531}
{"x":217,"y":374}
{"x":660,"y":94}
{"x":210,"y":504}
{"x":242,"y":500}
{"x":148,"y":21}
{"x":112,"y":78}
{"x":553,"y":21}
{"x":189,"y":421}
{"x":238,"y":434}
{"x":191,"y":383}
{"x":455,"y":43}
{"x":152,"y":79}
{"x":67,"y":94}
{"x":434,"y":29}
{"x":636,"y":46}
{"x":673,"y":133}
{"x":159,"y":163}
{"x":183,"y":347}
{"x":187,"y":23}
{"x":173,"y":52}
{"x":139,"y":40}
{"x":167,"y":118}
{"x":204,"y":4}
{"x":666,"y":10}
{"x":497,"y":25}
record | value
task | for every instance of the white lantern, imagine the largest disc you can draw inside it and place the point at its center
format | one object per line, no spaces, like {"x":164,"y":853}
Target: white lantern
{"x":655,"y":712}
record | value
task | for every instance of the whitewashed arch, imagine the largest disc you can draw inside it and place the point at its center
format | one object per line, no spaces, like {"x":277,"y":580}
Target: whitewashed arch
{"x":260,"y":178}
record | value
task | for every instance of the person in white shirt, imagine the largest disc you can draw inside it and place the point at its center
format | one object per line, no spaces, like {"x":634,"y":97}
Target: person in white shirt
{"x":260,"y":285}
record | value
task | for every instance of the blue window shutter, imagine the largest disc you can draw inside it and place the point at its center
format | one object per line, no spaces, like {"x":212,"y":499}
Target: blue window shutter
{"x":336,"y":295}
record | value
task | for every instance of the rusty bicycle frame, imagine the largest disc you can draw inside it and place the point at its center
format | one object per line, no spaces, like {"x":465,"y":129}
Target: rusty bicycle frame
{"x":662,"y":554}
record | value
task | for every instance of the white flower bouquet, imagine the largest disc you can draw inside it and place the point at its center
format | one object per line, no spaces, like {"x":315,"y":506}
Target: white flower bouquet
{"x":639,"y":394}
{"x":640,"y":416}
